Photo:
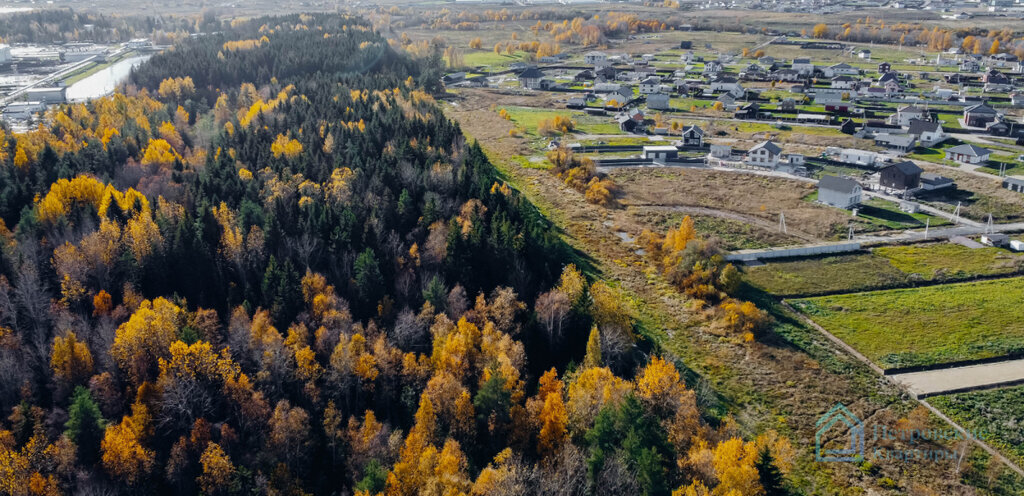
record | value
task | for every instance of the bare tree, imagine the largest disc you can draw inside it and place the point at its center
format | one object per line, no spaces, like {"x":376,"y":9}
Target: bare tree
{"x":552,"y":309}
{"x":410,"y":331}
{"x":565,"y":474}
{"x":458,"y":302}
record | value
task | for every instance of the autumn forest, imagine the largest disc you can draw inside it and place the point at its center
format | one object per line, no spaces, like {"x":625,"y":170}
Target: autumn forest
{"x":271,"y":265}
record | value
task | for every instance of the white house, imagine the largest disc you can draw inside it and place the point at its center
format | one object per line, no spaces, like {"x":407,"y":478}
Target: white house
{"x":905,"y":114}
{"x":968,"y":154}
{"x":803,"y":66}
{"x":595,"y":58}
{"x":855,"y":156}
{"x":5,"y":54}
{"x":712,"y":67}
{"x":927,"y":133}
{"x":765,"y":154}
{"x":843,"y":83}
{"x":840,"y":69}
{"x":650,"y":85}
{"x":723,"y":152}
{"x":724,"y":83}
{"x":839,"y":192}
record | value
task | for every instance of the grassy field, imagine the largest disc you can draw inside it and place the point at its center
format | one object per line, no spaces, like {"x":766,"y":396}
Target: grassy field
{"x":995,"y":415}
{"x":852,"y":272}
{"x":925,"y":326}
{"x":885,"y":267}
{"x":488,"y":57}
{"x":951,"y":261}
{"x":529,"y":118}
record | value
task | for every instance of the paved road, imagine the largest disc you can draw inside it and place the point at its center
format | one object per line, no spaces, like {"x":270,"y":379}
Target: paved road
{"x":942,"y":381}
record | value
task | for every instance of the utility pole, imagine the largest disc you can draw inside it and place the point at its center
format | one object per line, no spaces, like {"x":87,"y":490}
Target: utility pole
{"x":927,"y":224}
{"x":782,"y":222}
{"x":956,"y":214}
{"x":989,"y":228}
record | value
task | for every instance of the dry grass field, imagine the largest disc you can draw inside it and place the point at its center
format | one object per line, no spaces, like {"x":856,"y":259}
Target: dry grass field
{"x":752,"y":197}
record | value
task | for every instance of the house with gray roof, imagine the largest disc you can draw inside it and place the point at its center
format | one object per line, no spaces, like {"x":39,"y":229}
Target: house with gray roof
{"x":968,"y":154}
{"x":839,"y":192}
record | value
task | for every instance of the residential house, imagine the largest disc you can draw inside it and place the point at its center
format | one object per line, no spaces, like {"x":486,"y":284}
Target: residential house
{"x":993,"y":76}
{"x":724,"y":152}
{"x":628,"y":124}
{"x":879,"y":127}
{"x":969,"y":65}
{"x":927,"y":133}
{"x":968,"y":154}
{"x":854,"y":156}
{"x":658,"y":101}
{"x":1017,"y":99}
{"x":907,"y":113}
{"x":793,"y":158}
{"x":787,"y":105}
{"x":843,"y":83}
{"x":1003,"y":59}
{"x":584,"y":75}
{"x":980,"y":115}
{"x":788,"y":75}
{"x":607,"y":73}
{"x":685,"y":45}
{"x":693,"y":136}
{"x":832,"y":102}
{"x":766,"y":60}
{"x":902,"y":143}
{"x":873,"y":92}
{"x":841,"y":69}
{"x":650,"y":85}
{"x":712,"y":67}
{"x":884,"y":67}
{"x":839,"y":192}
{"x":724,"y":83}
{"x":753,"y":71}
{"x":888,"y":76}
{"x":864,"y":54}
{"x":892,"y":88}
{"x":576,"y":102}
{"x":531,"y":78}
{"x":765,"y":154}
{"x":595,"y":58}
{"x":932,"y":182}
{"x":748,"y":111}
{"x":803,"y":66}
{"x":900,"y":176}
{"x":848,"y":126}
{"x":999,"y":128}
